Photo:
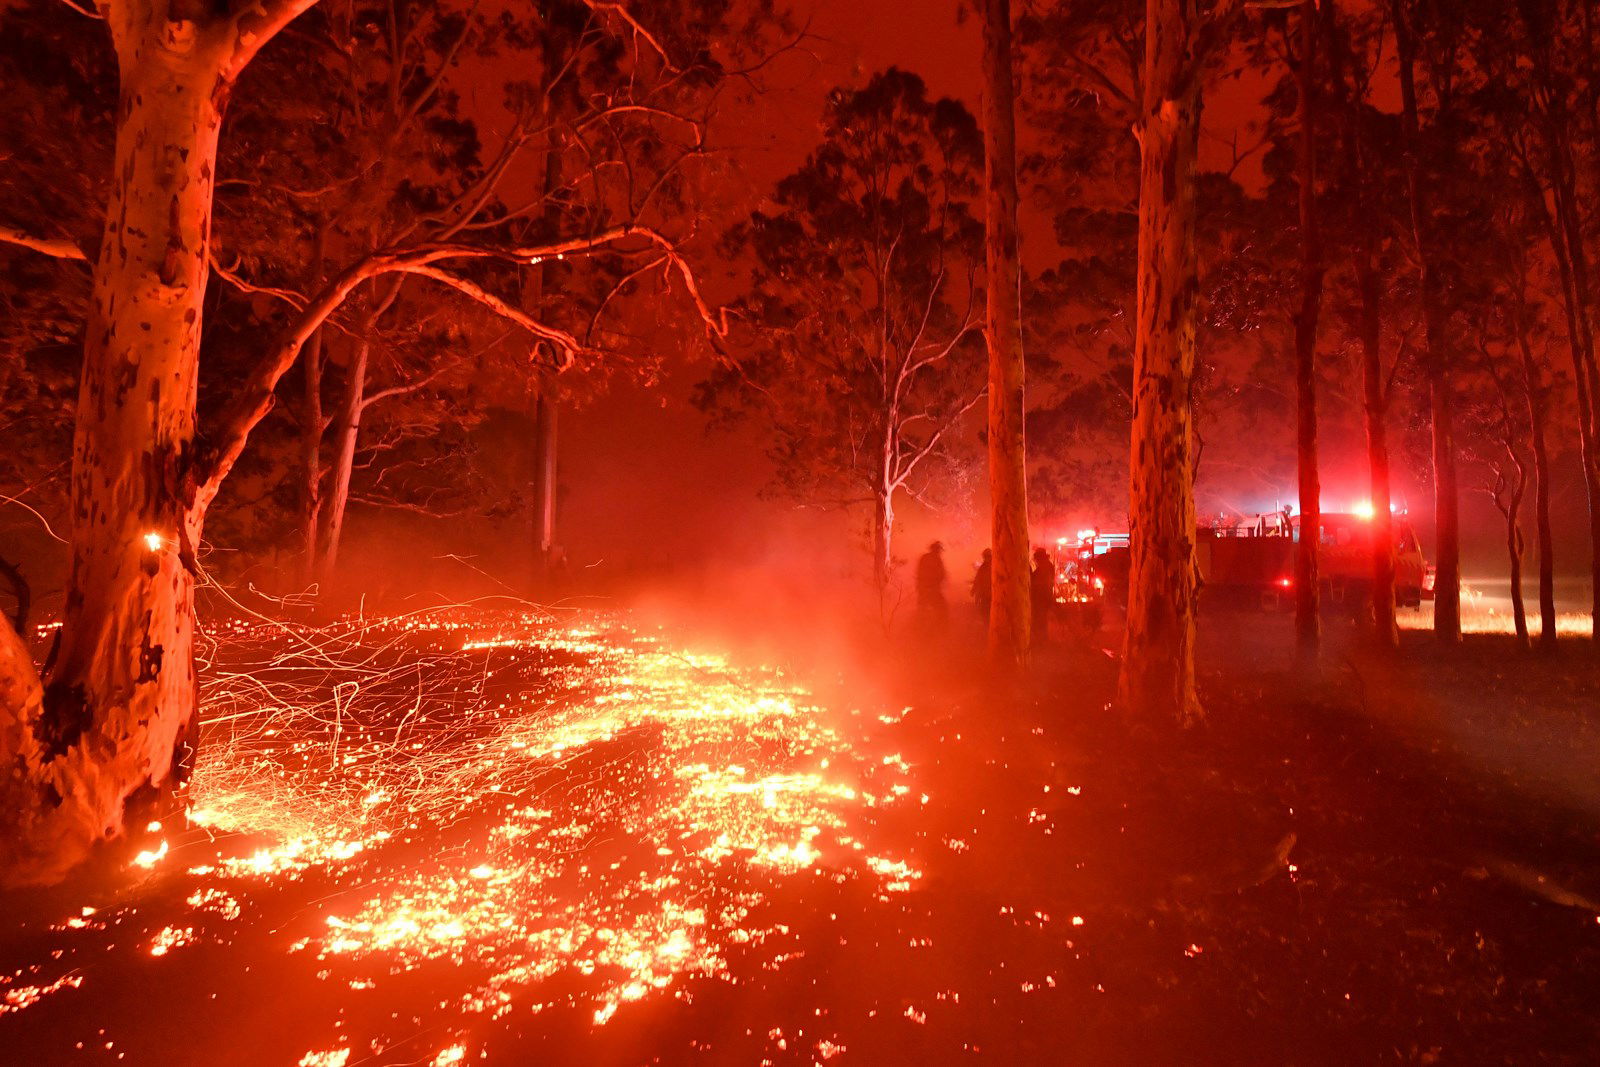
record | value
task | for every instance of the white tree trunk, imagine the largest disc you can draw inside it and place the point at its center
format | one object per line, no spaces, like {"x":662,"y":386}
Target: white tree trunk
{"x":311,"y":430}
{"x":107,"y":745}
{"x":348,"y":434}
{"x":113,"y":740}
{"x":882,"y":540}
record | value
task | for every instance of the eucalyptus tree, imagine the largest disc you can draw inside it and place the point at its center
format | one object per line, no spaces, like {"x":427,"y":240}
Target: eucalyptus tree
{"x":1009,"y":614}
{"x":860,"y":349}
{"x":101,"y":743}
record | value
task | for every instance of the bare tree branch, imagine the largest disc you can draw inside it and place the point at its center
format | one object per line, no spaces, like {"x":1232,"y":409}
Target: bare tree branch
{"x":57,"y":248}
{"x":84,"y":11}
{"x":255,"y":399}
{"x":255,"y":23}
{"x":288,"y":296}
{"x":639,"y":31}
{"x":568,"y":345}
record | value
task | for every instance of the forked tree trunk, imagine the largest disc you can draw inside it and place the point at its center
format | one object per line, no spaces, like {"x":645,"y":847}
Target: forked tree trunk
{"x":1586,"y":373}
{"x":1533,"y":386}
{"x":1009,"y":612}
{"x":1158,"y":652}
{"x":1307,"y":616}
{"x":1580,"y":345}
{"x":107,"y":745}
{"x":1565,"y":232}
{"x":1376,"y":409}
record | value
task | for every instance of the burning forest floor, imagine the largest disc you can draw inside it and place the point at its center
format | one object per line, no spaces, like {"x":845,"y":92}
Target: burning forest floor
{"x":484,"y":835}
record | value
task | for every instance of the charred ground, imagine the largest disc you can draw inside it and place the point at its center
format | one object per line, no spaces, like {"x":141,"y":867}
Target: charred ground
{"x":1392,"y":863}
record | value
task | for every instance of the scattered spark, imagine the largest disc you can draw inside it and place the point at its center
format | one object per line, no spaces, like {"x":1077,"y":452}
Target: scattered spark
{"x":170,"y":938}
{"x":596,"y":787}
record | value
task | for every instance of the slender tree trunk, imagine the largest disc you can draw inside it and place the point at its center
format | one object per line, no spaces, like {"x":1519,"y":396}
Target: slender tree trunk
{"x":1534,"y":389}
{"x":544,"y":474}
{"x":882,"y":539}
{"x":1009,"y":612}
{"x":1157,"y":676}
{"x":312,"y":426}
{"x":1446,"y":496}
{"x":1441,"y":388}
{"x":1519,"y":611}
{"x":1376,"y":408}
{"x":1510,"y":506}
{"x":348,"y":433}
{"x":542,"y":401}
{"x":110,"y":745}
{"x":1374,"y":387}
{"x":1307,"y":617}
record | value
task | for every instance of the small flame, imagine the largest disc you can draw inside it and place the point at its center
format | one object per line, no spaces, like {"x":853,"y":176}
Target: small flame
{"x":149,"y":858}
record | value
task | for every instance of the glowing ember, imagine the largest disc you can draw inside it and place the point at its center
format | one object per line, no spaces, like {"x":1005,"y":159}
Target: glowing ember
{"x":19,"y":997}
{"x":331,"y":1058}
{"x":169,"y":939}
{"x":511,"y":801}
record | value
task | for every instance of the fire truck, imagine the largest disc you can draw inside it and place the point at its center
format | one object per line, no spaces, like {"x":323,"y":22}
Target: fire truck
{"x":1248,"y":562}
{"x":1091,"y":569}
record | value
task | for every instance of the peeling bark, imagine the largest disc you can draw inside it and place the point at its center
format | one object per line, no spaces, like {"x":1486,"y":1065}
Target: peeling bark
{"x":105,"y":744}
{"x":1158,"y":679}
{"x":119,"y":708}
